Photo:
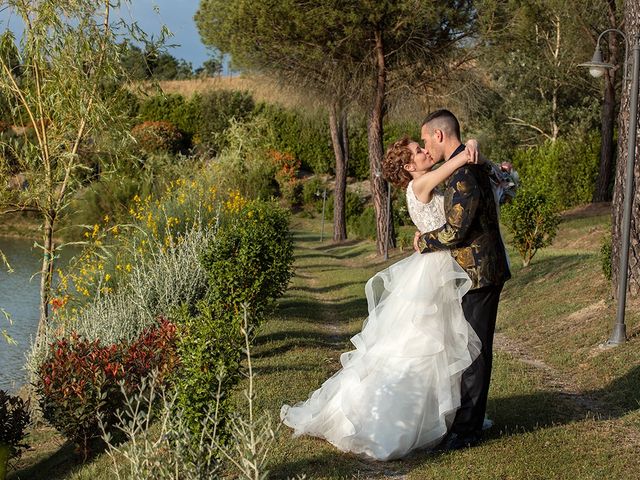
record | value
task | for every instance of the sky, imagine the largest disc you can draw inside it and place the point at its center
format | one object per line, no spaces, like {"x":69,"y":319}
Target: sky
{"x":177,"y":15}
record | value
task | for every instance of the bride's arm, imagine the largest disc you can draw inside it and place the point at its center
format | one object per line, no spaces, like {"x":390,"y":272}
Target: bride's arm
{"x":424,"y":185}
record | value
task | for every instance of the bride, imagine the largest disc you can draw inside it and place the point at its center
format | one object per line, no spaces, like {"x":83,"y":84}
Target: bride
{"x":400,"y":388}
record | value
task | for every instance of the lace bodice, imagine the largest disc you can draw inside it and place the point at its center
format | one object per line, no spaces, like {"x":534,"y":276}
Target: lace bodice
{"x":425,"y":216}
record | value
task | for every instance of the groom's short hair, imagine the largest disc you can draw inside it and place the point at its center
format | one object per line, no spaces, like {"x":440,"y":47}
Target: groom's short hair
{"x":443,"y":120}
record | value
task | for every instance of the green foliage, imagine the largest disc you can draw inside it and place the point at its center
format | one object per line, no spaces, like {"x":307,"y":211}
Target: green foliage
{"x":123,"y":100}
{"x":258,"y":241}
{"x":358,"y":166}
{"x":405,"y":241}
{"x":158,"y":137}
{"x":80,"y":379}
{"x":166,"y":451}
{"x":312,"y":190}
{"x":14,"y":417}
{"x":605,"y":256}
{"x":400,"y":209}
{"x":306,"y":137}
{"x":183,"y":113}
{"x":535,"y":89}
{"x":152,"y":63}
{"x":563,"y":171}
{"x":364,"y":224}
{"x":217,"y":110}
{"x":245,"y":165}
{"x":165,"y":66}
{"x":210,"y":352}
{"x":248,"y":265}
{"x":210,"y":68}
{"x":533,"y":220}
{"x":353,"y":206}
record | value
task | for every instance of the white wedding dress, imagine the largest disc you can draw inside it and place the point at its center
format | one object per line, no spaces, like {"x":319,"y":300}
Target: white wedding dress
{"x":400,"y":388}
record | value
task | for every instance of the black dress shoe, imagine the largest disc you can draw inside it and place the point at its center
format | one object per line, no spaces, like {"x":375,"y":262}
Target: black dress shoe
{"x":457,"y":441}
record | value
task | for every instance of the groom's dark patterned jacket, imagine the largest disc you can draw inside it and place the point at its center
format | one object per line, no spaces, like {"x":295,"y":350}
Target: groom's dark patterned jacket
{"x":471,"y":230}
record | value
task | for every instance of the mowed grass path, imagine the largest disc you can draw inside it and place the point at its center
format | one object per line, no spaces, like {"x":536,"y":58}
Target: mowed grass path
{"x":562,"y":406}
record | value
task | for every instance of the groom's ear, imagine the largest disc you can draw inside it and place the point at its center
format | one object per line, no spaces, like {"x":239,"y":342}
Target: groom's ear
{"x":439,"y":135}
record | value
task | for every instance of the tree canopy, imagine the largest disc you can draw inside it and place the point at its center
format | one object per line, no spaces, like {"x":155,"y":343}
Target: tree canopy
{"x":345,"y":52}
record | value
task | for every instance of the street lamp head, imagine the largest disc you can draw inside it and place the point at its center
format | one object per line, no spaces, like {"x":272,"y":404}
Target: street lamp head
{"x":596,"y":66}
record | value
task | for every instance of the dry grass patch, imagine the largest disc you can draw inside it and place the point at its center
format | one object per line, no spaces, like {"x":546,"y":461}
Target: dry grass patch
{"x":261,"y":88}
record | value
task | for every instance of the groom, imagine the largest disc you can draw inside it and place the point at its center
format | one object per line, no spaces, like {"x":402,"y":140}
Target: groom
{"x":471,"y":233}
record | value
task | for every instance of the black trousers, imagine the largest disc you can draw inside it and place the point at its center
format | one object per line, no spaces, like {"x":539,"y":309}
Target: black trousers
{"x":480,"y":309}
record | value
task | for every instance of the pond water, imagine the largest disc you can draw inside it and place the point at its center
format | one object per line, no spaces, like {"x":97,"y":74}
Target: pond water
{"x":19,"y":296}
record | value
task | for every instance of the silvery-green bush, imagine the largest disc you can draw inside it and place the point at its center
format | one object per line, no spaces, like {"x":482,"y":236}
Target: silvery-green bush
{"x":161,"y":279}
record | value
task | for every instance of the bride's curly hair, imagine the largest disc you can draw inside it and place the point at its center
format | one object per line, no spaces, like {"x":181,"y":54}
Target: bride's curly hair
{"x":396,"y":157}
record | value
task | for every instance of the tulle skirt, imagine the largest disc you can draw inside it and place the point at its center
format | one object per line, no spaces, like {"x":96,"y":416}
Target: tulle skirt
{"x":400,"y":388}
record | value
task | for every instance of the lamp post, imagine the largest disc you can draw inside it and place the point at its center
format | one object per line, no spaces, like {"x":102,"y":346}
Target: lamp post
{"x":596,"y":68}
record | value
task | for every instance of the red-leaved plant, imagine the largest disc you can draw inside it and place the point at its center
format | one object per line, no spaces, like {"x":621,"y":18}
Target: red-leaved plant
{"x":287,"y":169}
{"x":81,"y":379}
{"x":158,"y":137}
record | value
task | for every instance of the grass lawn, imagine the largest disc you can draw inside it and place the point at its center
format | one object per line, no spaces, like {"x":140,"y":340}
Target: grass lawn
{"x":563,"y":406}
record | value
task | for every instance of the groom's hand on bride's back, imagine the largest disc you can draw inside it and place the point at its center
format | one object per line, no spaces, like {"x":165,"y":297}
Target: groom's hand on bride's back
{"x":416,"y":238}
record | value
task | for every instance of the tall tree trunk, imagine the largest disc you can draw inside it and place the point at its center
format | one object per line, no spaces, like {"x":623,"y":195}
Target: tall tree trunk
{"x":339,"y":139}
{"x":632,"y":24}
{"x":376,"y":149}
{"x":46,"y":275}
{"x":602,"y":192}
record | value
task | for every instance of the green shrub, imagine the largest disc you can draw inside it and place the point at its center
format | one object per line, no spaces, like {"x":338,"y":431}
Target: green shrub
{"x":174,"y":108}
{"x":250,"y":260}
{"x":533,"y":220}
{"x":312,"y":191}
{"x":358,"y":166}
{"x":217,"y":109}
{"x":306,"y":137}
{"x":400,"y":209}
{"x":563,"y":171}
{"x":353,"y":206}
{"x":110,"y":196}
{"x":210,"y":350}
{"x":363,"y":225}
{"x":405,"y":241}
{"x":123,"y":100}
{"x":80,"y":379}
{"x":158,"y":137}
{"x":605,"y":256}
{"x":245,"y":165}
{"x":249,"y":266}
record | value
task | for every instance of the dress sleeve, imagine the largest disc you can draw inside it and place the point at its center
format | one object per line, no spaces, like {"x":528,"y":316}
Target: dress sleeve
{"x":461,"y":199}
